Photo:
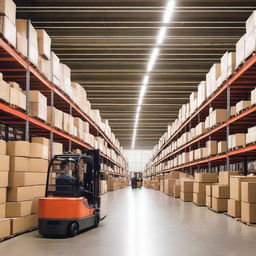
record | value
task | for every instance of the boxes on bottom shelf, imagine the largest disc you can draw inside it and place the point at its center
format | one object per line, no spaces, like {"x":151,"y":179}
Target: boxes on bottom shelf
{"x":219,"y":204}
{"x":2,"y":195}
{"x":22,"y":224}
{"x":8,"y":29}
{"x":18,"y":148}
{"x":5,"y":228}
{"x":2,"y":210}
{"x":199,"y":199}
{"x":4,"y":163}
{"x":208,"y":201}
{"x":176,"y":191}
{"x":19,"y":179}
{"x":17,"y":194}
{"x":248,"y":212}
{"x":186,"y":196}
{"x":37,"y":165}
{"x":4,"y":179}
{"x":206,"y":177}
{"x":234,"y":208}
{"x":38,"y":150}
{"x":187,"y":186}
{"x":220,"y":191}
{"x":18,"y":209}
{"x":208,"y":190}
{"x":248,"y":192}
{"x":224,"y":177}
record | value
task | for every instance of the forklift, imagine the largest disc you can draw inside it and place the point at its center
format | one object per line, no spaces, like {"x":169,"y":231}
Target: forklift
{"x":136,"y":180}
{"x":72,"y":199}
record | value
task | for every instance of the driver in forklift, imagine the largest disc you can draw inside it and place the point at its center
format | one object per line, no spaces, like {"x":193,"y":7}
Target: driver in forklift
{"x":64,"y":174}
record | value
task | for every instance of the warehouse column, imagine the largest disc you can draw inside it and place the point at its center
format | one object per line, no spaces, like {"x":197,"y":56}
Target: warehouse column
{"x":228,"y":129}
{"x":51,"y":133}
{"x":27,"y":104}
{"x":70,"y":142}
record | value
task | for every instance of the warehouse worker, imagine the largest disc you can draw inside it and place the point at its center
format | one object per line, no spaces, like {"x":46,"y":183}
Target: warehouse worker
{"x":64,"y":181}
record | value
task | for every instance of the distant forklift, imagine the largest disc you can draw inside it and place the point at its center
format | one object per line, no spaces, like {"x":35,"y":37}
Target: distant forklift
{"x":136,"y":180}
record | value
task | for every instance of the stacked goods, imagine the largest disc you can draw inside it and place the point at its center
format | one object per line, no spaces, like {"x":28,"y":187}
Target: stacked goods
{"x":17,"y":97}
{"x":234,"y":204}
{"x":177,"y":189}
{"x":54,"y":117}
{"x":5,"y":90}
{"x":68,"y":123}
{"x":208,"y":201}
{"x":55,"y":68}
{"x":44,"y":49}
{"x":251,"y":135}
{"x":220,"y":196}
{"x":155,"y":183}
{"x":162,"y":184}
{"x":228,"y":63}
{"x":248,"y":207}
{"x":103,"y":187}
{"x":222,"y":147}
{"x":113,"y":184}
{"x":241,"y":105}
{"x":8,"y":21}
{"x":28,"y":171}
{"x":169,"y":182}
{"x":236,"y":140}
{"x":186,"y":193}
{"x":65,"y":79}
{"x":27,"y":31}
{"x":38,"y":105}
{"x":211,"y":147}
{"x":199,"y":186}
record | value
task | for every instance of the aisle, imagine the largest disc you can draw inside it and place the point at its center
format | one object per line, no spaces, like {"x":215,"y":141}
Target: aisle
{"x":146,"y":223}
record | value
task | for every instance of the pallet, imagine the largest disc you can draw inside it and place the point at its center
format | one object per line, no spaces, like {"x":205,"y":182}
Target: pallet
{"x":216,"y":210}
{"x":247,"y":223}
{"x":17,"y":234}
{"x":199,"y":205}
{"x":236,"y":218}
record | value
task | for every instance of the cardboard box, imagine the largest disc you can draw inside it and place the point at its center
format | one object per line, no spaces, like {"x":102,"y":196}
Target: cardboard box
{"x":2,"y":210}
{"x":222,"y":147}
{"x":232,"y":110}
{"x":187,"y":186}
{"x":19,"y":179}
{"x":22,"y":224}
{"x":2,"y":195}
{"x":208,"y":190}
{"x":17,"y":194}
{"x":54,"y":117}
{"x":37,"y":165}
{"x":18,"y":148}
{"x":220,"y":191}
{"x":18,"y":164}
{"x":251,"y":22}
{"x":4,"y":163}
{"x":5,"y":91}
{"x":240,"y":51}
{"x":234,"y":208}
{"x":219,"y":204}
{"x":22,"y":44}
{"x":37,"y":110}
{"x":248,"y":192}
{"x":3,"y":179}
{"x":44,"y":43}
{"x":14,"y":96}
{"x":2,"y":147}
{"x":250,"y":43}
{"x":21,"y":100}
{"x":55,"y":64}
{"x":224,"y":177}
{"x":186,"y":196}
{"x":199,"y":199}
{"x":243,"y":104}
{"x":228,"y":64}
{"x":44,"y":66}
{"x":238,"y":139}
{"x":18,"y":209}
{"x":248,"y":212}
{"x":212,"y":148}
{"x":176,"y":191}
{"x":38,"y":191}
{"x":38,"y":151}
{"x":235,"y":185}
{"x":173,"y":175}
{"x":8,"y":30}
{"x":199,"y":187}
{"x":206,"y":177}
{"x":218,"y":116}
{"x":34,"y":208}
{"x":41,"y":140}
{"x":8,"y":8}
{"x":5,"y":228}
{"x":57,"y":148}
{"x":208,"y":201}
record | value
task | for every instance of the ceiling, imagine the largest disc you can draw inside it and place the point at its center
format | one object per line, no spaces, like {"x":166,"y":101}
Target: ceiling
{"x":107,"y":44}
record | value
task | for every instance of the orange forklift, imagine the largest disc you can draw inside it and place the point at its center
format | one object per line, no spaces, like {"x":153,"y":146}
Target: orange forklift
{"x":72,"y":200}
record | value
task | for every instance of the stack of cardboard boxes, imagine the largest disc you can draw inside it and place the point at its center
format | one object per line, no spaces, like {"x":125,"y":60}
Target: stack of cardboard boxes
{"x":38,"y":105}
{"x":170,"y":182}
{"x":17,"y":97}
{"x":103,"y":187}
{"x":186,"y":193}
{"x":199,"y":186}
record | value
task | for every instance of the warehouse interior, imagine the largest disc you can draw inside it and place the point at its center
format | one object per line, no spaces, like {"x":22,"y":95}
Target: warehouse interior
{"x":127,"y":127}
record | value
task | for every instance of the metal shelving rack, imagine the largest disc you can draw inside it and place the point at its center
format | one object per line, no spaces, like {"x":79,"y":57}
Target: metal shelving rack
{"x":17,"y":68}
{"x":236,"y":88}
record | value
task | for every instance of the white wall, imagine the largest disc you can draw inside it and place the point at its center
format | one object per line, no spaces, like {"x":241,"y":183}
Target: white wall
{"x":137,"y":159}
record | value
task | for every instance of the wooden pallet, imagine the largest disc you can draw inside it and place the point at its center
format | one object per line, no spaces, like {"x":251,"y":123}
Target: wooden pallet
{"x":17,"y":234}
{"x":236,"y":218}
{"x":247,"y":223}
{"x":215,"y":210}
{"x":199,"y":205}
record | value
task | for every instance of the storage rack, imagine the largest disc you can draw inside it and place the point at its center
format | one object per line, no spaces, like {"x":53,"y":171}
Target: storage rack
{"x":16,"y":67}
{"x":236,"y":88}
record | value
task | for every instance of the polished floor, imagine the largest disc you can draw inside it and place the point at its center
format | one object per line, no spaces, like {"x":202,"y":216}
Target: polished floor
{"x":145,"y":222}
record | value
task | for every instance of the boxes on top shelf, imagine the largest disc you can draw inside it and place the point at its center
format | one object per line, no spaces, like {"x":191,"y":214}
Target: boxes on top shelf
{"x":44,"y":44}
{"x":251,"y":23}
{"x":228,"y":64}
{"x":8,"y":9}
{"x":240,"y":51}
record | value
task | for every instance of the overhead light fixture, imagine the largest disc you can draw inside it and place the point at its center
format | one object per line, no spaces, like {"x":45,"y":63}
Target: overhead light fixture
{"x":168,"y":11}
{"x":140,"y":101}
{"x":152,"y":59}
{"x":142,"y":91}
{"x":161,"y":35}
{"x":138,"y":109}
{"x":145,"y":80}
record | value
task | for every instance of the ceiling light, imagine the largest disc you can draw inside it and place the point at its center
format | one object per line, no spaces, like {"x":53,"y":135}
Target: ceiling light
{"x":145,"y":80}
{"x":161,"y":35}
{"x":138,"y":109}
{"x":140,"y":101}
{"x":142,"y":91}
{"x":168,"y":11}
{"x":152,"y":59}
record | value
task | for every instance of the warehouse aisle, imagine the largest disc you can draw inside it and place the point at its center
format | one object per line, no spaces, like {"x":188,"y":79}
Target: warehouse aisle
{"x":146,"y":222}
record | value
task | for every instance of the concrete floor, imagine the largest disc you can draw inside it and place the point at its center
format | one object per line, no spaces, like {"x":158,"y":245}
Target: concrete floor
{"x":145,"y":222}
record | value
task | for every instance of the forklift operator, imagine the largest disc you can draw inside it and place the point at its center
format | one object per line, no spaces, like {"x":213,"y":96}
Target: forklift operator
{"x":64,"y":174}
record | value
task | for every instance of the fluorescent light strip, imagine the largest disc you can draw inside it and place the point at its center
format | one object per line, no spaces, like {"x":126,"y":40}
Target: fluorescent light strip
{"x":160,"y":38}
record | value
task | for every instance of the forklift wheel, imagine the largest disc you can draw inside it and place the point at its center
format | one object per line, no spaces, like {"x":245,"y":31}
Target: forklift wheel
{"x":73,"y":229}
{"x":97,"y":219}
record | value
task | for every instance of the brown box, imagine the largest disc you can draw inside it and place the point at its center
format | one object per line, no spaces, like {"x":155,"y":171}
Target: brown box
{"x":19,"y":179}
{"x":8,"y":8}
{"x":220,"y":191}
{"x":19,"y":164}
{"x":2,"y":147}
{"x":18,"y":148}
{"x":186,"y":196}
{"x":238,"y":139}
{"x":176,"y":191}
{"x":187,"y":186}
{"x":37,"y":165}
{"x":14,"y":96}
{"x":200,"y":187}
{"x":2,"y":195}
{"x":173,"y":175}
{"x":208,"y":201}
{"x":169,"y":186}
{"x":34,"y":208}
{"x":41,"y":140}
{"x":224,"y":177}
{"x":18,"y":209}
{"x":44,"y":43}
{"x":234,"y":208}
{"x":206,"y":177}
{"x":2,"y":210}
{"x":8,"y":29}
{"x":5,"y":91}
{"x":21,"y":100}
{"x":17,"y":194}
{"x":38,"y":151}
{"x":22,"y":224}
{"x":4,"y":163}
{"x":5,"y":228}
{"x":242,"y":105}
{"x":248,"y":212}
{"x":199,"y":198}
{"x":22,"y":44}
{"x":218,"y":116}
{"x":37,"y":110}
{"x":55,"y":117}
{"x":38,"y":191}
{"x":235,"y":185}
{"x":219,"y":204}
{"x":4,"y":179}
{"x":212,"y":148}
{"x":222,"y":147}
{"x":248,"y":192}
{"x":208,"y":190}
